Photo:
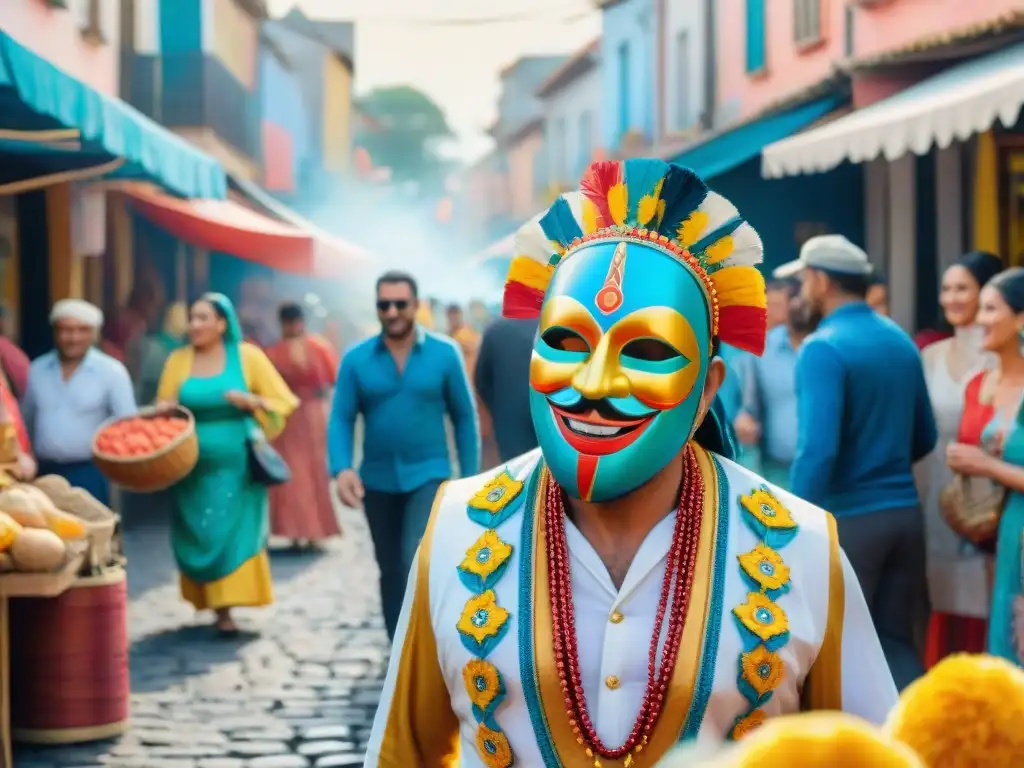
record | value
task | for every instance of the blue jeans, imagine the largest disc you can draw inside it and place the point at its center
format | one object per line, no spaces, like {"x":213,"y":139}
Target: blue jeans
{"x":397,"y":522}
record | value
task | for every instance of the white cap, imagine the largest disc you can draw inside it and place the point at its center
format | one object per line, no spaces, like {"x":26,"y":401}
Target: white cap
{"x":829,"y":253}
{"x":78,"y":310}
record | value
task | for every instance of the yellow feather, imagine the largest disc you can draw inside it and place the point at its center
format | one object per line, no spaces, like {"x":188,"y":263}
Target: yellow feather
{"x":720,"y":250}
{"x":557,"y":247}
{"x":618,"y":203}
{"x":661,"y":213}
{"x":589,"y":215}
{"x":740,"y":287}
{"x":646,"y":209}
{"x":530,"y":273}
{"x":692,"y":228}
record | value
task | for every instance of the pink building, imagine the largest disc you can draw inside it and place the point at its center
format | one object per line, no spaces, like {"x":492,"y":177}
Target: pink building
{"x":934,"y":129}
{"x":776,"y":56}
{"x":82,"y":39}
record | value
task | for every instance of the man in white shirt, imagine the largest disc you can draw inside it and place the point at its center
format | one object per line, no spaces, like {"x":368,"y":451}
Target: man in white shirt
{"x":624,"y":587}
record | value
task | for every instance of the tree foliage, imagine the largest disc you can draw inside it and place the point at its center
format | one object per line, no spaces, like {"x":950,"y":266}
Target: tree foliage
{"x":403,"y":127}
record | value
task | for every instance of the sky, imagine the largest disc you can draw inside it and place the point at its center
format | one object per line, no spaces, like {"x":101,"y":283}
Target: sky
{"x":456,"y":64}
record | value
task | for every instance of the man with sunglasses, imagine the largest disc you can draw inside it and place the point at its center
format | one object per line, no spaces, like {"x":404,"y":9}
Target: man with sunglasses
{"x":404,"y":382}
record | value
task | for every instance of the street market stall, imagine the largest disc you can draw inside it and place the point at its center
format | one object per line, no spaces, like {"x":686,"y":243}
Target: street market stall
{"x":61,"y":578}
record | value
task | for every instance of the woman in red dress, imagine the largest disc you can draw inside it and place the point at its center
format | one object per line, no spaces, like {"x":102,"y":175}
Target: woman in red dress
{"x":302,"y":509}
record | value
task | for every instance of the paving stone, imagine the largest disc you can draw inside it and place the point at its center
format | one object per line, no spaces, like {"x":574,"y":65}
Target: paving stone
{"x":258,"y":748}
{"x":329,"y":747}
{"x":317,"y":733}
{"x":280,"y":761}
{"x":338,"y":761}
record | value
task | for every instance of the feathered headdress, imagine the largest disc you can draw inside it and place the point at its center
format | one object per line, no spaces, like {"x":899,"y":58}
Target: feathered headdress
{"x":665,"y":207}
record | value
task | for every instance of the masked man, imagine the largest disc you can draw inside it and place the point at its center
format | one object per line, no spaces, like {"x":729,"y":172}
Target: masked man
{"x":627,"y":586}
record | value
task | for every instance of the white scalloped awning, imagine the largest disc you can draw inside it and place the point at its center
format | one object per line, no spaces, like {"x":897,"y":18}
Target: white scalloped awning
{"x":953,"y":105}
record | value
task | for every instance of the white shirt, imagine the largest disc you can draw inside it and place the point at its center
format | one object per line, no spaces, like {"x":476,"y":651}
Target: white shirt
{"x":411,"y":721}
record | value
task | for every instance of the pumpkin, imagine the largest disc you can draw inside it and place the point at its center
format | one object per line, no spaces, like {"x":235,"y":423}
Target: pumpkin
{"x":37,"y":550}
{"x":10,"y":529}
{"x":23,"y":507}
{"x":44,"y":501}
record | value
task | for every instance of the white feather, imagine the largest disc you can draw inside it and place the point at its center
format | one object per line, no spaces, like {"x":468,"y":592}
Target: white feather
{"x":747,"y":248}
{"x":530,"y":239}
{"x":531,"y":242}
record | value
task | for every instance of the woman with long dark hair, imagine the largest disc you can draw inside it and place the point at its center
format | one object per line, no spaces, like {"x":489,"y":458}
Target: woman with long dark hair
{"x":957,"y":584}
{"x":991,"y":445}
{"x":219,"y":529}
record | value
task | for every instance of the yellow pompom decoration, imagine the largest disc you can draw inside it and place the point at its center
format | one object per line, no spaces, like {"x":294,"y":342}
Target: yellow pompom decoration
{"x":967,"y":712}
{"x":815,"y":739}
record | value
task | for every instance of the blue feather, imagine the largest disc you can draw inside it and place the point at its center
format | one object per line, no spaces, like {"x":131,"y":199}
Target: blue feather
{"x":683,"y":193}
{"x":641,"y":176}
{"x":559,"y":223}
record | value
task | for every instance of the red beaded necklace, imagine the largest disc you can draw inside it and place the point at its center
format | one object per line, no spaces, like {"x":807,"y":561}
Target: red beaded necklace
{"x":681,"y":563}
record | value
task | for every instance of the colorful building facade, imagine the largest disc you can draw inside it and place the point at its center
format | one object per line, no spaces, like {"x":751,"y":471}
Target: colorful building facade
{"x":628,"y":66}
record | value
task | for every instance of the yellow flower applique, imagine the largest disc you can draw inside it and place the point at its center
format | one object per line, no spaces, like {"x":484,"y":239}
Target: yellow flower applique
{"x":483,"y":623}
{"x":493,"y":747}
{"x":484,"y":686}
{"x":496,"y":502}
{"x":748,"y":723}
{"x":765,"y":570}
{"x":485,"y":562}
{"x":764,"y":620}
{"x":768,"y":517}
{"x":761,"y":671}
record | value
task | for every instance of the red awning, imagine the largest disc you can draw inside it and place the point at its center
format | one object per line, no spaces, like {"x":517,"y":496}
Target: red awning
{"x":228,"y":227}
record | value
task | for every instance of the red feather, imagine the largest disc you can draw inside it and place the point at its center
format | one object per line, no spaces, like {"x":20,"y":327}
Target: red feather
{"x":598,"y":179}
{"x":521,"y":302}
{"x":743,"y":328}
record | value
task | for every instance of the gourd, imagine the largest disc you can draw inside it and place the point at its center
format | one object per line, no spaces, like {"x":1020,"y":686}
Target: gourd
{"x":64,"y":525}
{"x":9,"y":531}
{"x":6,"y":563}
{"x":23,"y":507}
{"x":38,"y":550}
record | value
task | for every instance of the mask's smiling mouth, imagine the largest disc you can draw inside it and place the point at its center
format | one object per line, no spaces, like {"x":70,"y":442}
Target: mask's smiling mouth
{"x":589,"y":432}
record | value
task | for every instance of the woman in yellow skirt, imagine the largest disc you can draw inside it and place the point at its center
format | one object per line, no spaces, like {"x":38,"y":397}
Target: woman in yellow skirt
{"x":219,"y":527}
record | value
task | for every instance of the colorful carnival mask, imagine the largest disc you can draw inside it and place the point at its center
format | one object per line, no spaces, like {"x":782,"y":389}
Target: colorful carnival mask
{"x":633,"y":279}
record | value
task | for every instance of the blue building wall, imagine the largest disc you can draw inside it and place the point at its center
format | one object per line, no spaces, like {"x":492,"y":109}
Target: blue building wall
{"x":631,"y":24}
{"x":284,"y":106}
{"x":774,"y":207}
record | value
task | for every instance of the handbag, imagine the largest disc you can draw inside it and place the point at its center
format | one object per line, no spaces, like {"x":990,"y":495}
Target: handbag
{"x":266,"y":465}
{"x":972,"y":507}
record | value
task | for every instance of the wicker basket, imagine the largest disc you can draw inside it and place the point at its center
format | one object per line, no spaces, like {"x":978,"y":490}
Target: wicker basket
{"x":155,"y":471}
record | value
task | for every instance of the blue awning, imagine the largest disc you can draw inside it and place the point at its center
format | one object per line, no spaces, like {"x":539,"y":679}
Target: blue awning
{"x":733,"y":147}
{"x":38,"y":99}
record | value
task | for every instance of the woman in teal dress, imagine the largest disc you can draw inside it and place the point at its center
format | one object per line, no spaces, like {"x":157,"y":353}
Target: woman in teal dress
{"x":220,"y":527}
{"x":1000,"y":457}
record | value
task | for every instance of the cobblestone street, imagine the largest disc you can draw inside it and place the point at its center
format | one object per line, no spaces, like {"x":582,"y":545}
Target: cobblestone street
{"x":297,"y":689}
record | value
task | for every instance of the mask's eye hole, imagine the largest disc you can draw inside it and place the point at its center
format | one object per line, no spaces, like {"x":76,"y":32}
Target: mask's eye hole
{"x":649,"y":350}
{"x":565,"y":340}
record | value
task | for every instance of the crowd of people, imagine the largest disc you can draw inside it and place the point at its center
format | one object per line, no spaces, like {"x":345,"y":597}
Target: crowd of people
{"x":916,"y":450}
{"x":899,"y":446}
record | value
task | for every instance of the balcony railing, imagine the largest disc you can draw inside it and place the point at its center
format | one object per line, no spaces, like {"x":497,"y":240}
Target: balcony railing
{"x":193,"y":90}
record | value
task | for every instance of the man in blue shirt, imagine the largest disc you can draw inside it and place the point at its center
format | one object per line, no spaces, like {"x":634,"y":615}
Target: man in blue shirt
{"x":768,"y":416}
{"x":864,"y":419}
{"x":403,"y":382}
